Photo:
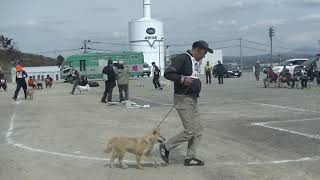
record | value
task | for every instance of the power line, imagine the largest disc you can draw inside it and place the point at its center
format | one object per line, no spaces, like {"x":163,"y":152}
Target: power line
{"x":56,"y":51}
{"x":209,"y":42}
{"x":262,"y":44}
{"x":259,"y":49}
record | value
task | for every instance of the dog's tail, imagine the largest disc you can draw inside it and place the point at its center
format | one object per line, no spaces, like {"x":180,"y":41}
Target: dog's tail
{"x":109,"y":147}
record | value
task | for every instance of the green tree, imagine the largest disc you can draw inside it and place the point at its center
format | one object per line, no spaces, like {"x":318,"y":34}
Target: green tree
{"x":9,"y":46}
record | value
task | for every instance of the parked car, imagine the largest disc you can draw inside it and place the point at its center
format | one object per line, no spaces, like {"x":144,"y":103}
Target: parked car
{"x":290,"y":64}
{"x":232,"y":71}
{"x":146,"y":70}
{"x":308,"y":66}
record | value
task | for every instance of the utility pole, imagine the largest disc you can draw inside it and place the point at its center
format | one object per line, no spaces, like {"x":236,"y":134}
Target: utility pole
{"x":160,"y":56}
{"x":240,"y":39}
{"x":279,"y":58}
{"x":271,"y":34}
{"x":85,"y":46}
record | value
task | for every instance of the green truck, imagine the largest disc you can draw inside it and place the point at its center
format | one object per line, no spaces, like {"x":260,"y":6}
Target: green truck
{"x":91,"y":64}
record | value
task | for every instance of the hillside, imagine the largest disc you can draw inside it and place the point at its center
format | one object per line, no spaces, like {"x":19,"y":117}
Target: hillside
{"x":303,"y":52}
{"x":27,"y":60}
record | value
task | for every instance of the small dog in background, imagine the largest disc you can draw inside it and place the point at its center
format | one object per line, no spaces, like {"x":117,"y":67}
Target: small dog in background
{"x":83,"y":88}
{"x":165,"y":84}
{"x":118,"y":146}
{"x":29,"y":94}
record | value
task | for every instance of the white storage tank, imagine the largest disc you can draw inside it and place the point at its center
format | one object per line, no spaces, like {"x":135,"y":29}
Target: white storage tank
{"x":146,"y":35}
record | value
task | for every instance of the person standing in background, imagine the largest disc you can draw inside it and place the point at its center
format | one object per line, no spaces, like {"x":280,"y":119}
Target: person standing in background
{"x":123,"y":75}
{"x":318,"y":68}
{"x":21,"y":76}
{"x":76,"y":81}
{"x":208,"y":69}
{"x":156,"y":76}
{"x":109,"y":77}
{"x":257,"y":70}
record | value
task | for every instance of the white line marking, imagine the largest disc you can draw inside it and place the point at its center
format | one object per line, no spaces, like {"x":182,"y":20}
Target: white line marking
{"x":143,"y":99}
{"x":284,"y":107}
{"x":293,"y":120}
{"x":11,"y":142}
{"x":286,"y":130}
{"x":264,"y":124}
{"x":314,"y":158}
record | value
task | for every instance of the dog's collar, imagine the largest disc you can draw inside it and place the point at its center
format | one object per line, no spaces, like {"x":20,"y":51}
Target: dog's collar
{"x":146,"y":140}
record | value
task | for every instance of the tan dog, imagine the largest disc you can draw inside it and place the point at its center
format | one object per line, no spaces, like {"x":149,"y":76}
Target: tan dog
{"x":29,"y":94}
{"x":165,"y":84}
{"x":138,"y":146}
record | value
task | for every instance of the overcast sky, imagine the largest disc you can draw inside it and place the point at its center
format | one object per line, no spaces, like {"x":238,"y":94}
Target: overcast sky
{"x":48,"y":25}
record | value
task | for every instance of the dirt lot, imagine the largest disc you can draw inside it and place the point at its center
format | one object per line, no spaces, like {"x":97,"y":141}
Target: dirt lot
{"x":250,"y":133}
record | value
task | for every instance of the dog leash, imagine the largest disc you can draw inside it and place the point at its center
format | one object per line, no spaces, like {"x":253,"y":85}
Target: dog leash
{"x":174,"y":105}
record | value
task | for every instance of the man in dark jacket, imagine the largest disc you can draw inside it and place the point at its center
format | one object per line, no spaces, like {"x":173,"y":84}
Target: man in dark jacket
{"x":109,"y":77}
{"x":220,"y":70}
{"x":156,"y":76}
{"x":21,"y":76}
{"x":184,"y":72}
{"x":76,"y":81}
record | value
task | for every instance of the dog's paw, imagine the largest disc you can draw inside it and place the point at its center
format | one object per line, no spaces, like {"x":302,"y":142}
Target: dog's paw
{"x":124,"y":166}
{"x":140,"y":167}
{"x":156,"y":163}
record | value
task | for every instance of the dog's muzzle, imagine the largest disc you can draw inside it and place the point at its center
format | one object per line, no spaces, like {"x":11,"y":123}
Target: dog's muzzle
{"x":161,"y":139}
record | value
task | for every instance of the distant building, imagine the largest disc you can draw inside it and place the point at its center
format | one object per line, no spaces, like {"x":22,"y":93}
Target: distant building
{"x":42,"y":71}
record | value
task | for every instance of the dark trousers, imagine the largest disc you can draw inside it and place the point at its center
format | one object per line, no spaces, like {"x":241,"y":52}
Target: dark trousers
{"x":257,"y":74}
{"x":220,"y":79}
{"x":75,"y":83}
{"x":208,"y":77}
{"x":156,"y":82}
{"x":39,"y":86}
{"x":4,"y":86}
{"x":24,"y":87}
{"x":123,"y":88}
{"x":318,"y":77}
{"x":107,"y":92}
{"x":304,"y":82}
{"x":48,"y":85}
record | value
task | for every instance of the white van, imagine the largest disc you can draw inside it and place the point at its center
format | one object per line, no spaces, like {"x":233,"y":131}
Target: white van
{"x":290,"y":64}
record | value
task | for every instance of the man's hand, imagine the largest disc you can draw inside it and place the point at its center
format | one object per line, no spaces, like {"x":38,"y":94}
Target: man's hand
{"x":187,"y":81}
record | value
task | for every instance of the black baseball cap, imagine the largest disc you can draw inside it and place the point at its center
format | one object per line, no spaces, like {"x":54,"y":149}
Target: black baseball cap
{"x":202,"y":44}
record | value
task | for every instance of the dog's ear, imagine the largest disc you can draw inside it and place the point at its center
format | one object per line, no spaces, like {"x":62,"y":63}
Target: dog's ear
{"x":156,"y":131}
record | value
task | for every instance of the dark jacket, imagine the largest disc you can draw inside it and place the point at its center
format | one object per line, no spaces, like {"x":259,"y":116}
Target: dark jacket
{"x":21,"y":77}
{"x":109,"y":71}
{"x":156,"y":71}
{"x":219,"y":70}
{"x":181,"y":65}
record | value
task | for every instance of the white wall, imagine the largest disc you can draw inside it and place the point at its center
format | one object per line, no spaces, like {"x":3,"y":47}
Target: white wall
{"x":52,"y":71}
